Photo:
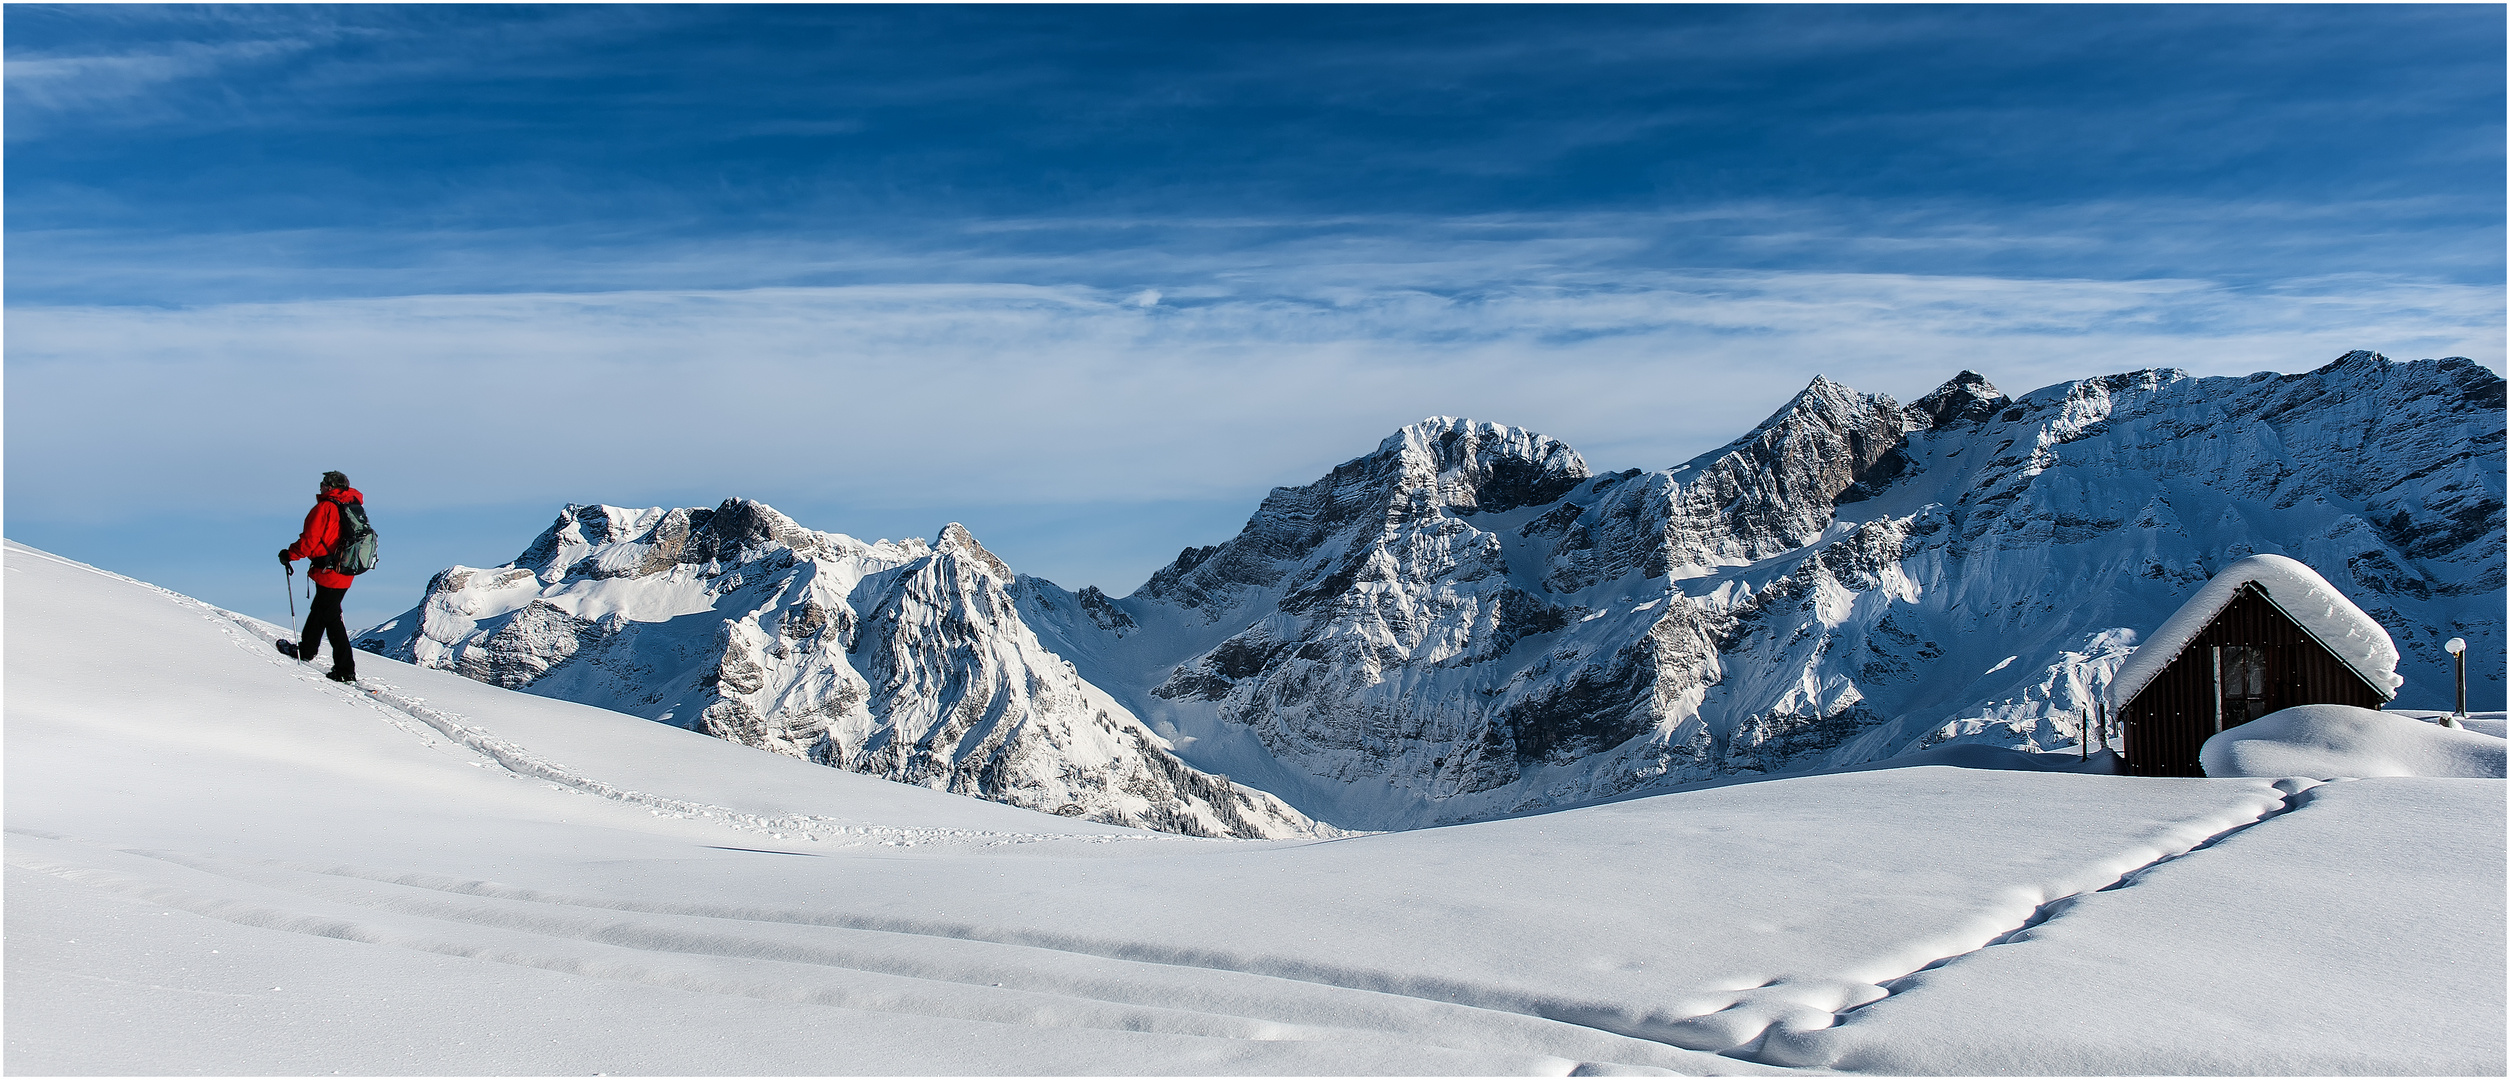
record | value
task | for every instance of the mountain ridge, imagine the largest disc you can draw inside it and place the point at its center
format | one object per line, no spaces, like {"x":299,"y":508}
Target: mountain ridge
{"x":1468,"y":621}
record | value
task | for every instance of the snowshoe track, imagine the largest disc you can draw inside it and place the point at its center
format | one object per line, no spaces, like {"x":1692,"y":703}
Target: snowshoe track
{"x":960,"y":972}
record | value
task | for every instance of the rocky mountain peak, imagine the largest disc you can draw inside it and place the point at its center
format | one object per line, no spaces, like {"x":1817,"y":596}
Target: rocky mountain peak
{"x":1824,"y":395}
{"x":1425,"y":471}
{"x":1824,"y":425}
{"x":1776,"y":488}
{"x":1471,"y":465}
{"x":955,"y":540}
{"x":1966,"y":398}
{"x":1821,"y":411}
{"x":745,"y":525}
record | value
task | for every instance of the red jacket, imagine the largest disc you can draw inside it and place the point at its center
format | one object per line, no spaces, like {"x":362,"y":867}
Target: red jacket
{"x":322,"y":534}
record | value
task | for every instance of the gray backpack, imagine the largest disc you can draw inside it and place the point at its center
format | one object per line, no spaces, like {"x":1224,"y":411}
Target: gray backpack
{"x":356,"y":553}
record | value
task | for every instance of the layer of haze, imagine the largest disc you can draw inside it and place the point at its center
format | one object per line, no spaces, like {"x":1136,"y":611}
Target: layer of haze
{"x":1091,"y":280}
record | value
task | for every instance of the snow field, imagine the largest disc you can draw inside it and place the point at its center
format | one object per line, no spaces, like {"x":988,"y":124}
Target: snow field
{"x":446,"y":877}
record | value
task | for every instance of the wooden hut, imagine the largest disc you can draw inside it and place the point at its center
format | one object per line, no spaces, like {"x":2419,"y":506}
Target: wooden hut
{"x":2266,"y":633}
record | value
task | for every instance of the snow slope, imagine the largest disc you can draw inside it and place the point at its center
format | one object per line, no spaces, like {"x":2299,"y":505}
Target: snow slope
{"x":434,"y":875}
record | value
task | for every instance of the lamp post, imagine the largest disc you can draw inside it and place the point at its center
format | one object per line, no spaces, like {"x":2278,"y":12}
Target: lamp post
{"x":2457,"y":650}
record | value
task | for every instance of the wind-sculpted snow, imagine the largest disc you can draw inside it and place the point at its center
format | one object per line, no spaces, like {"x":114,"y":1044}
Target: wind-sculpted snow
{"x":902,"y":660}
{"x":1467,"y":622}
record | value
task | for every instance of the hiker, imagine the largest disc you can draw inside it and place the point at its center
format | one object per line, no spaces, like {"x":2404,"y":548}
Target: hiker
{"x":321,"y":543}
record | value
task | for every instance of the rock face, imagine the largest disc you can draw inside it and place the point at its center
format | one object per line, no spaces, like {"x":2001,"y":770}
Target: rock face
{"x":1469,"y":622}
{"x":908,"y":661}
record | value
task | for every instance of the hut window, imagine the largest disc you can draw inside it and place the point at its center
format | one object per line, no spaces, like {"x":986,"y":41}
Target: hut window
{"x":2242,"y":681}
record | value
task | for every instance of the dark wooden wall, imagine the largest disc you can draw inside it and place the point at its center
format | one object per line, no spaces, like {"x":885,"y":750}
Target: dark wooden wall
{"x":2173,"y":715}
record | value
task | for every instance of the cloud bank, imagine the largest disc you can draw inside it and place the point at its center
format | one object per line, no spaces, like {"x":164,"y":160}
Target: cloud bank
{"x":1020,"y":394}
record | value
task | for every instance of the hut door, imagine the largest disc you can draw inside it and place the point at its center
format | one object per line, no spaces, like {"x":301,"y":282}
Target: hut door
{"x":2241,"y":680}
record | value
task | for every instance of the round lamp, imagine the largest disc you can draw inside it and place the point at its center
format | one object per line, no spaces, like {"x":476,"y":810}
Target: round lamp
{"x":2457,"y":652}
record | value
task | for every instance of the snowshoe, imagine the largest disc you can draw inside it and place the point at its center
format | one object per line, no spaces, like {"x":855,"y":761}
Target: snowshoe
{"x":288,"y":649}
{"x":341,"y":676}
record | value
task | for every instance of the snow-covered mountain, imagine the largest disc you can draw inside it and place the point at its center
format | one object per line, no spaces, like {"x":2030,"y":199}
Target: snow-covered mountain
{"x":902,"y":660}
{"x":1470,"y":621}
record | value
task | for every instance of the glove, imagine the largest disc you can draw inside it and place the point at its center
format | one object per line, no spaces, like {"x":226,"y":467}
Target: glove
{"x":284,"y":560}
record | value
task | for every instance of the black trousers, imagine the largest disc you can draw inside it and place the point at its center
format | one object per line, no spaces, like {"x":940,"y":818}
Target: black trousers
{"x":323,"y":620}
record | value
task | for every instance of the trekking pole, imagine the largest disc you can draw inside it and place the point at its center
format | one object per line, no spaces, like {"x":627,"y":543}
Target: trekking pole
{"x":291,"y":569}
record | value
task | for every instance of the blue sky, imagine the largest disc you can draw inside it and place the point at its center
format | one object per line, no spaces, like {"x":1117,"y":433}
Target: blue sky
{"x":1092,"y":279}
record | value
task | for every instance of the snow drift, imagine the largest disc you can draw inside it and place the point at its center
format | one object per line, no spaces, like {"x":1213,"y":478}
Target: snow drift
{"x":2327,"y":741}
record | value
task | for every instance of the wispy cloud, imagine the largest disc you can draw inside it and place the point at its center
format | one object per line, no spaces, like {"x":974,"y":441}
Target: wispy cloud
{"x":1012,"y":394}
{"x":639,"y":244}
{"x":68,"y":82}
{"x":48,"y":92}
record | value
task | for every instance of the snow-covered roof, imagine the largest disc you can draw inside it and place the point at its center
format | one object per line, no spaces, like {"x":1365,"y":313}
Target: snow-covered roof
{"x":2321,"y":611}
